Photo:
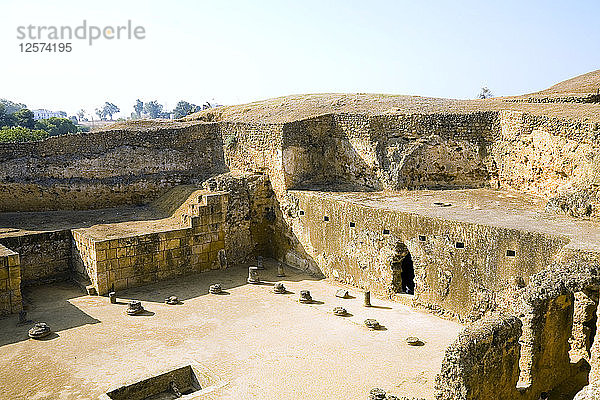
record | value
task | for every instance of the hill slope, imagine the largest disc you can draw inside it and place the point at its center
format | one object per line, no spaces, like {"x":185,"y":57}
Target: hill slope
{"x":586,"y":83}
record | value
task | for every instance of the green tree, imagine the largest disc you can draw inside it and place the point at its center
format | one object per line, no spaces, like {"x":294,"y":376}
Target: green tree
{"x":110,"y":109}
{"x":24,"y":118}
{"x":20,"y":134}
{"x":11,"y":107}
{"x":184,"y":108}
{"x":80,"y":115}
{"x":56,"y":126}
{"x":6,"y":119}
{"x":153,"y":109}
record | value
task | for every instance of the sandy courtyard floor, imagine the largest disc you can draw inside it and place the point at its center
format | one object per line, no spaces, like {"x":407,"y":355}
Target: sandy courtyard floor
{"x":261,"y":345}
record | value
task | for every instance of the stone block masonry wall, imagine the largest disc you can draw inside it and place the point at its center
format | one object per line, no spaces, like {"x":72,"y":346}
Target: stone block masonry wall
{"x":146,"y":257}
{"x":460,"y":281}
{"x":250,"y":214}
{"x":44,"y":256}
{"x":389,"y":151}
{"x":553,"y":158}
{"x":105,"y":169}
{"x":10,"y":282}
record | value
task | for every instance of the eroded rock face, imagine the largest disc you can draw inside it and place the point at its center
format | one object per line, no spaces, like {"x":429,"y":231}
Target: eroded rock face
{"x":248,"y":230}
{"x":583,"y":203}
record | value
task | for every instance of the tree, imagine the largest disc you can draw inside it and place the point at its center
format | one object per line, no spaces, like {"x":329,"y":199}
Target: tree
{"x":184,"y":108}
{"x":6,"y":119}
{"x":153,"y":109}
{"x":100,"y":114}
{"x":20,"y":134}
{"x":81,"y":114}
{"x":56,"y":126}
{"x":11,"y":107}
{"x":138,"y":108}
{"x":24,"y":118}
{"x":110,"y":109}
{"x":485,"y":93}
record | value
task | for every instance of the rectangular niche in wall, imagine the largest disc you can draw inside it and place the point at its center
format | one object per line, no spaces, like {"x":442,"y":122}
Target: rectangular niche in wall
{"x":459,"y":245}
{"x":325,"y":218}
{"x":352,"y":224}
{"x":422,"y":238}
{"x":301,"y":212}
{"x":511,"y":253}
{"x":386,"y":231}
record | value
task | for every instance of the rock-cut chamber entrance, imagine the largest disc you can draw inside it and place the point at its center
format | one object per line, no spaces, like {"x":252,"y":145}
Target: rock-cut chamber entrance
{"x":403,"y":272}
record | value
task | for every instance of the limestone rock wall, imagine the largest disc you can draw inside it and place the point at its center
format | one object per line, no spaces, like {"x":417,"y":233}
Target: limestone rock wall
{"x":356,"y":244}
{"x":506,"y":149}
{"x":10,"y":282}
{"x":528,"y":347}
{"x":550,"y":157}
{"x":250,"y":214}
{"x":141,"y":257}
{"x":389,"y":151}
{"x":105,"y":169}
{"x":483,"y":362}
{"x":44,"y":256}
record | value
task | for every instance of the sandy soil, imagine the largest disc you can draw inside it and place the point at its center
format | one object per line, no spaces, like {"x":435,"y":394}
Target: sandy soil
{"x":263,"y":345}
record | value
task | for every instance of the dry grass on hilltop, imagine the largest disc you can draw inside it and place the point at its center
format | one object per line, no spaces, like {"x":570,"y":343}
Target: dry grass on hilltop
{"x":302,"y":106}
{"x":295,"y":107}
{"x":586,"y":83}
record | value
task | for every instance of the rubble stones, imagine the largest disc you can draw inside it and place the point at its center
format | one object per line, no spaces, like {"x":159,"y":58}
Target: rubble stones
{"x":377,"y":394}
{"x":279,"y":288}
{"x":414,"y":341}
{"x":372,"y":324}
{"x":134,"y":307}
{"x":340,"y":311}
{"x":39,"y":330}
{"x":305,"y":297}
{"x":172,"y":300}
{"x":380,"y":394}
{"x":215,"y":289}
{"x":342,"y":294}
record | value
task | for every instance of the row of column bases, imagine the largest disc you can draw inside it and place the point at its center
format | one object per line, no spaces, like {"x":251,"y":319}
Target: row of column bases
{"x":254,"y":278}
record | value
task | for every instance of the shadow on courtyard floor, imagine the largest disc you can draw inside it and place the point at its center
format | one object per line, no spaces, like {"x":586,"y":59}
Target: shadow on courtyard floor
{"x":50,"y":304}
{"x":195,"y":285}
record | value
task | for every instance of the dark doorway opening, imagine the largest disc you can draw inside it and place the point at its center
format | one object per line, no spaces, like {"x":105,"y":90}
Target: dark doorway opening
{"x":403,"y":272}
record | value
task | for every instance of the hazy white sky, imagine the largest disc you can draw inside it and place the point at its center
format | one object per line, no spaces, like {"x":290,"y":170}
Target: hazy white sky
{"x":240,"y":51}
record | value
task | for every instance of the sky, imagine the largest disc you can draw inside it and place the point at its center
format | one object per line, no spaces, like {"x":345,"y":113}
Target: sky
{"x":233,"y":52}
